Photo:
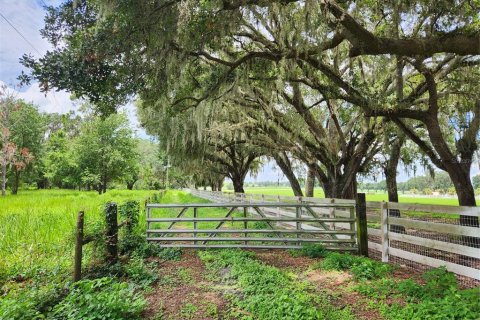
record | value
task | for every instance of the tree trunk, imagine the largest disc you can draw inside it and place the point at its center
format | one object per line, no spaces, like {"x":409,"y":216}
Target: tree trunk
{"x":104,"y":183}
{"x":390,"y":171}
{"x":310,"y":183}
{"x":130,"y":185}
{"x":16,"y":182}
{"x":286,"y":167}
{"x":238,"y":185}
{"x":333,"y":188}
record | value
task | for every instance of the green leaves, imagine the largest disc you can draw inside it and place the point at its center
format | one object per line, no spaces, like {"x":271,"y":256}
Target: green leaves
{"x":264,"y":292}
{"x":100,"y":299}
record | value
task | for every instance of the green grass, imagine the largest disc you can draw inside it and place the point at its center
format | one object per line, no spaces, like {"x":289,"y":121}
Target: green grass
{"x":286,"y":191}
{"x":182,"y":197}
{"x":37,"y":226}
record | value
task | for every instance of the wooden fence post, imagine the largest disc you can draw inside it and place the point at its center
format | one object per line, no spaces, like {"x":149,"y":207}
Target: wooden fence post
{"x":112,"y":231}
{"x":361,"y":208}
{"x":384,"y":230}
{"x":77,"y":265}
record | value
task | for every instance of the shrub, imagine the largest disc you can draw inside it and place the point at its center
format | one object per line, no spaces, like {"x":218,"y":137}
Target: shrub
{"x":100,"y":299}
{"x":362,"y":268}
{"x":337,"y":261}
{"x":316,"y":250}
{"x":438,"y":282}
{"x":366,"y":269}
{"x":140,"y":273}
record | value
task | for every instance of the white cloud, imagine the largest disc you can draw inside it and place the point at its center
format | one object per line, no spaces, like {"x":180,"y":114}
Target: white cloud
{"x":58,"y":102}
{"x":27,"y":17}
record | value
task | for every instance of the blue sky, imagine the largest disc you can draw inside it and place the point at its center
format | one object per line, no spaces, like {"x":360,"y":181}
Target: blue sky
{"x":27,"y":17}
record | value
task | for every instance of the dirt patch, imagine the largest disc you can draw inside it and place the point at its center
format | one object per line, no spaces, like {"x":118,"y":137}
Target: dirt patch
{"x":284,"y":260}
{"x":183,"y":292}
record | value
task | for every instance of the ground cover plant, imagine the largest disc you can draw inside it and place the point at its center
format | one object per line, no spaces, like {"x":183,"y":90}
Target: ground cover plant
{"x":153,"y":283}
{"x":264,"y":292}
{"x":37,"y":256}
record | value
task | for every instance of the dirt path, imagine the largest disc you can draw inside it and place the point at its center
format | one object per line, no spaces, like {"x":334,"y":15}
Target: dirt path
{"x":184,"y":292}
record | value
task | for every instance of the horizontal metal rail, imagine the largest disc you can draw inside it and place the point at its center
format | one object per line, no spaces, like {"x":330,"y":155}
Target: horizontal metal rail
{"x":286,"y":231}
{"x":217,"y":239}
{"x":336,"y":233}
{"x":240,"y":219}
{"x":246,"y":246}
{"x":247,"y":204}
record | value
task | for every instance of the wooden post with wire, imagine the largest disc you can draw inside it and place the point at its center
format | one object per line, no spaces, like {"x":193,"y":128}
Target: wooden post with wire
{"x":77,"y":265}
{"x":361,"y":208}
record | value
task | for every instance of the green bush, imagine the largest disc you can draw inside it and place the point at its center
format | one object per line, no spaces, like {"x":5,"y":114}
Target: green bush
{"x":21,"y":307}
{"x":362,"y":268}
{"x":316,"y":250}
{"x":139,"y":273}
{"x":100,"y":299}
{"x":438,"y":298}
{"x":337,"y":261}
{"x":439,"y":281}
{"x":33,"y":302}
{"x":366,"y":269}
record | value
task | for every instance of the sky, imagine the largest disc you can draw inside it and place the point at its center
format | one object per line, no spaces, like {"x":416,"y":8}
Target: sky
{"x":21,"y":35}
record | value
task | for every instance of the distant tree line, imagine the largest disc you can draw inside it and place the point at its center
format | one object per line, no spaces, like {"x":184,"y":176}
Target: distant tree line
{"x":76,"y":151}
{"x":428,"y":184}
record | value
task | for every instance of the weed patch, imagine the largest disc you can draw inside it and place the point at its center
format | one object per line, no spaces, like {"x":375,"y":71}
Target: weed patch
{"x":310,"y":250}
{"x":265,"y":292}
{"x":361,"y":268}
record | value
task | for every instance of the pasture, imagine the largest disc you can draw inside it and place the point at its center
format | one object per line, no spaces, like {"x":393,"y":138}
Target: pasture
{"x":150,"y":283}
{"x":371,"y":196}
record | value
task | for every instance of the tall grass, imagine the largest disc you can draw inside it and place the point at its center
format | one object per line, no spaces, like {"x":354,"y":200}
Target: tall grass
{"x":37,"y":226}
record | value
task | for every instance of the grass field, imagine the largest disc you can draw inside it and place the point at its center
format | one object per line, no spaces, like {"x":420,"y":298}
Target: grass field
{"x":36,"y":250}
{"x":37,"y":226}
{"x":284,"y":191}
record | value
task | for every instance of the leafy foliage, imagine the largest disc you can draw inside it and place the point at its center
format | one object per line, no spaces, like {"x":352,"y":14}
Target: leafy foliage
{"x":100,"y":299}
{"x":266,"y":292}
{"x":362,"y":268}
{"x":310,"y":250}
{"x":438,"y":298}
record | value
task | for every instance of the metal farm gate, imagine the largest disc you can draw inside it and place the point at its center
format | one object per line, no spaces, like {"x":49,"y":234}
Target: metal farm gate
{"x":264,"y":225}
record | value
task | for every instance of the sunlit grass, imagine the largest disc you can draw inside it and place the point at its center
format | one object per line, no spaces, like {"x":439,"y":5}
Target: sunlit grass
{"x":284,"y":191}
{"x":37,"y":226}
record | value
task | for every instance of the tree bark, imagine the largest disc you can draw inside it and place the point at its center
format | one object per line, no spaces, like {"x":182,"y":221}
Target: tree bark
{"x":334,"y":188}
{"x":238,"y":184}
{"x":390,"y":171}
{"x":310,"y":183}
{"x":284,"y":163}
{"x":16,"y":182}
